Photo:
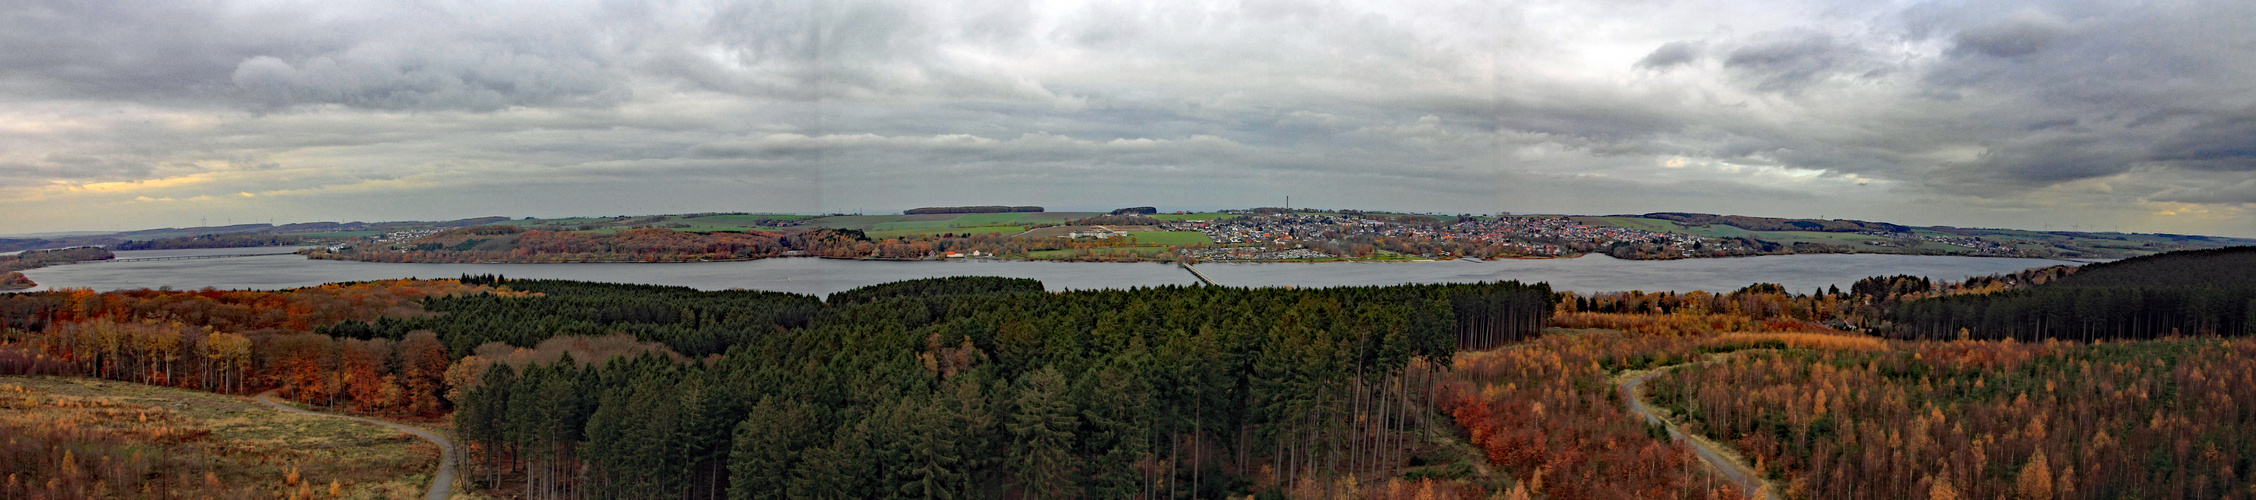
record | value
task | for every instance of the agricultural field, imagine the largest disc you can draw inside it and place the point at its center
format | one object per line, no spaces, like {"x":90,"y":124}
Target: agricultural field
{"x":1191,"y":216}
{"x":1139,"y":251}
{"x":90,"y":438}
{"x":872,"y":223}
{"x":1063,"y":231}
{"x":896,"y":233}
{"x":1172,"y":238}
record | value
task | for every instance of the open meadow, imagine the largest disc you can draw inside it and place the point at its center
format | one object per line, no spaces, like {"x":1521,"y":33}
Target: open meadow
{"x":69,"y":437}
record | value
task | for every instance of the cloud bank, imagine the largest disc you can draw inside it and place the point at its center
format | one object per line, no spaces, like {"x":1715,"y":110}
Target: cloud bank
{"x":123,"y":115}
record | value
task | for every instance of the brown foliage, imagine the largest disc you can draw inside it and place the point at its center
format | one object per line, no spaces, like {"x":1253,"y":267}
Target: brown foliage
{"x":245,"y":341}
{"x":1547,"y":412}
{"x":2158,"y":419}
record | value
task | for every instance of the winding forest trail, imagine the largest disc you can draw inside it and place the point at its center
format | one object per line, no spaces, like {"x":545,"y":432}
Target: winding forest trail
{"x":441,"y":481}
{"x":1714,"y":454}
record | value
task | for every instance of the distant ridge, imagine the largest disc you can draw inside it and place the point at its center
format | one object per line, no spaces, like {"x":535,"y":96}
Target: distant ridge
{"x":1779,"y":224}
{"x":984,"y":209}
{"x":2228,"y":266}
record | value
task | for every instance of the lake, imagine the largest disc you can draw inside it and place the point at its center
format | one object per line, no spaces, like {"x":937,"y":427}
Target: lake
{"x":1799,"y":273}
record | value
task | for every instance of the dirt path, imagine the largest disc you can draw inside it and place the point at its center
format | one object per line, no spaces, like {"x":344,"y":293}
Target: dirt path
{"x":1714,"y":454}
{"x":440,"y":481}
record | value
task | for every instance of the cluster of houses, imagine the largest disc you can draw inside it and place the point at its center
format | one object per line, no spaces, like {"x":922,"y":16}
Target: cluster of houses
{"x":1254,"y":253}
{"x":1554,"y":232}
{"x":1540,"y":236}
{"x":1098,"y":232}
{"x":1278,"y":228}
{"x":409,"y":235}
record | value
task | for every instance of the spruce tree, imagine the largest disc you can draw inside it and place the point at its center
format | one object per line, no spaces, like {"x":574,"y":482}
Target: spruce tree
{"x":1042,"y":436}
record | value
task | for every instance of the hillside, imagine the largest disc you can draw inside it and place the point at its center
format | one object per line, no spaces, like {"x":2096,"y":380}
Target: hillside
{"x":1853,"y":236}
{"x":2198,"y":292}
{"x":125,"y":438}
{"x":2229,"y":266}
{"x":1777,"y":224}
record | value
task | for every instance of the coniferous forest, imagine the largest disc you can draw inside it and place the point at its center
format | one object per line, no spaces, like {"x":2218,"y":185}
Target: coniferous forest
{"x":2198,"y":292}
{"x":952,"y":387}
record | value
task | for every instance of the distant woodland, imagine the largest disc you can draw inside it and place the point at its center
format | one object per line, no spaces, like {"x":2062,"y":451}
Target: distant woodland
{"x":1777,"y":224}
{"x":2199,"y":292}
{"x":34,"y":259}
{"x":11,"y":279}
{"x":228,"y":240}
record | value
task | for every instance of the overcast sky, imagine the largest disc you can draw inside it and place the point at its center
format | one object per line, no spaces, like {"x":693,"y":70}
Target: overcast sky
{"x":2097,"y":114}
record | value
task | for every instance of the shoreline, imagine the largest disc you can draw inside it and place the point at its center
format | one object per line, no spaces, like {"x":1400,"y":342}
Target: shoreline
{"x":2065,"y":260}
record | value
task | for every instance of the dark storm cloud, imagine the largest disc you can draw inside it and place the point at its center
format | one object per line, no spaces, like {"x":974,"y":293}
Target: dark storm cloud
{"x":2224,"y":143}
{"x":1670,"y":55}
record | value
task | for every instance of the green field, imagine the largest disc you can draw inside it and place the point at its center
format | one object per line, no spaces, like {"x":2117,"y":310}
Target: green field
{"x":1192,"y":216}
{"x":1140,"y":251}
{"x":1172,"y":238}
{"x":896,"y":233}
{"x":874,"y":223}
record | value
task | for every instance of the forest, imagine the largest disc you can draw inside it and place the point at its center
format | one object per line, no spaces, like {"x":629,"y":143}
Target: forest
{"x":2196,"y":292}
{"x":1988,"y":419}
{"x":957,"y":387}
{"x":222,"y":240}
{"x":34,"y":259}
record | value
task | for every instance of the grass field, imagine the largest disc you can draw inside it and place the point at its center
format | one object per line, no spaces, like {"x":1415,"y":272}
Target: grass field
{"x":1192,"y":216}
{"x":940,"y":221}
{"x":896,"y":233}
{"x":1140,"y":251}
{"x":139,"y":436}
{"x":1173,"y":238}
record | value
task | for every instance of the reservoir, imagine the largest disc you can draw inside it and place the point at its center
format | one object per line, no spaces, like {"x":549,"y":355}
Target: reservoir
{"x":1799,"y":273}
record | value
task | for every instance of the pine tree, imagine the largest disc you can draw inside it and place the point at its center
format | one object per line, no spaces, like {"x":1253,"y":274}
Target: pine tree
{"x":1042,"y":433}
{"x":1115,"y":411}
{"x":932,"y":461}
{"x":767,"y":448}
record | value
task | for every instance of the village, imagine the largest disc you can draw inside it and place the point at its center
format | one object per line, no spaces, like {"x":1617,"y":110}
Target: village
{"x":1507,"y":236}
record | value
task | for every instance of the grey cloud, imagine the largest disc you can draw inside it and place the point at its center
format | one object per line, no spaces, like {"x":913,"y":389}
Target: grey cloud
{"x":2243,"y":192}
{"x":2009,"y":39}
{"x":484,"y":78}
{"x":1793,"y":62}
{"x":1670,"y":55}
{"x":2224,"y":143}
{"x":269,"y":56}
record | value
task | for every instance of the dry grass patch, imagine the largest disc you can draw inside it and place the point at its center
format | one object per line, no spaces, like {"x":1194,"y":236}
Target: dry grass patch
{"x":88,"y":438}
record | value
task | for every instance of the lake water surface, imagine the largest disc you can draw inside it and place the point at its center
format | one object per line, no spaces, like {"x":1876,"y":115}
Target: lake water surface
{"x":1800,"y":273}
